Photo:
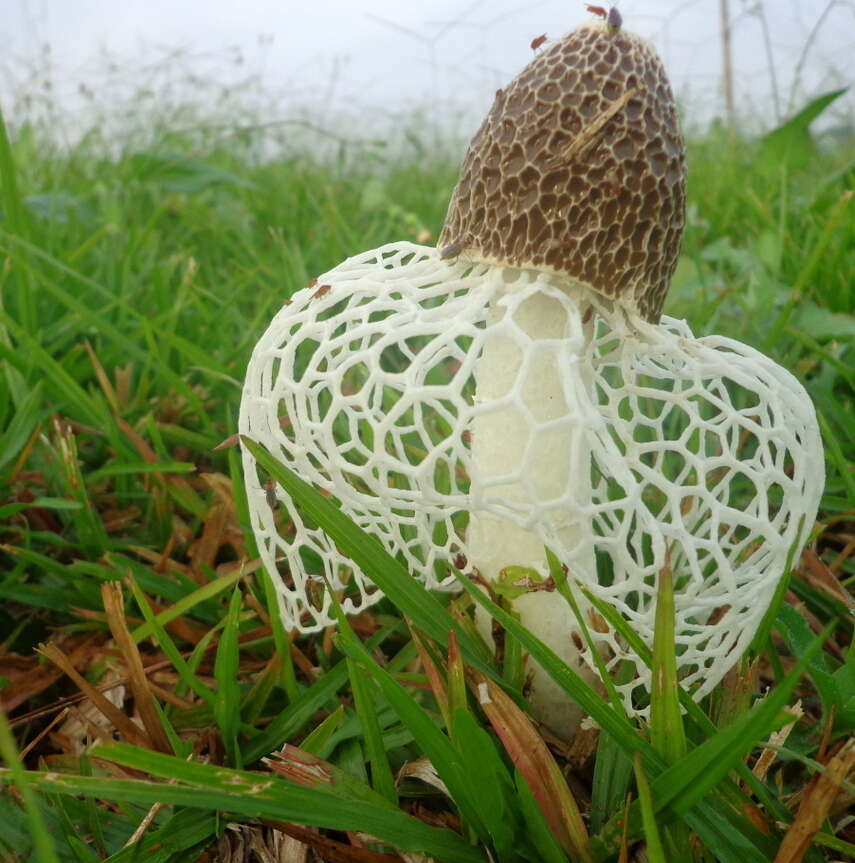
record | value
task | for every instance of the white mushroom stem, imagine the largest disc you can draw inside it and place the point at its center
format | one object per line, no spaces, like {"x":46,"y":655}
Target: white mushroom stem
{"x":556,"y":460}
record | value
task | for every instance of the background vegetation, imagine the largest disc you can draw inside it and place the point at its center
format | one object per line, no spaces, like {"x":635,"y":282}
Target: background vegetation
{"x":134,"y":283}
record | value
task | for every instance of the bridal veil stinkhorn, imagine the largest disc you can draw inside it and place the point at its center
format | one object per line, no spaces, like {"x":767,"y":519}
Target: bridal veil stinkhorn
{"x":515,"y":390}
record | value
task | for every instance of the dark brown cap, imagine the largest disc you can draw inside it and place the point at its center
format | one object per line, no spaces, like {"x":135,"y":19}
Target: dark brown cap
{"x":579,"y":169}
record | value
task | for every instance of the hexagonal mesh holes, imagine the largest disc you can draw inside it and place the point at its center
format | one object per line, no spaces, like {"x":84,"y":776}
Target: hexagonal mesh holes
{"x":633,"y":445}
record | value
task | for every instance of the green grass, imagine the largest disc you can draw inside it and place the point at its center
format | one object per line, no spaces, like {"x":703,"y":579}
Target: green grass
{"x":132,"y":288}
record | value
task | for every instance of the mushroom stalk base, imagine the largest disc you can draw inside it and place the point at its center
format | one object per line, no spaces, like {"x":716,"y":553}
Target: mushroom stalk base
{"x":556,"y":459}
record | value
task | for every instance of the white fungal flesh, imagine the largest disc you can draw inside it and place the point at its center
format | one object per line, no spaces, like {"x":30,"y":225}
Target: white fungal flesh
{"x":701,"y":450}
{"x":521,"y":386}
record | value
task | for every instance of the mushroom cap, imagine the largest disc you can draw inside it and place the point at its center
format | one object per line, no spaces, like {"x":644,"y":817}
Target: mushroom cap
{"x":579,"y":169}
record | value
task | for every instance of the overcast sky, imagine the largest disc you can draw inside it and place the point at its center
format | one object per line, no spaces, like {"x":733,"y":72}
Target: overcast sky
{"x":364,"y":58}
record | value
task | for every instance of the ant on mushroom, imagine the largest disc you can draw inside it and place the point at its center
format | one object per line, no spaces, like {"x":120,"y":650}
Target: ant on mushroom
{"x":611,"y":16}
{"x":451,"y":251}
{"x":270,"y":494}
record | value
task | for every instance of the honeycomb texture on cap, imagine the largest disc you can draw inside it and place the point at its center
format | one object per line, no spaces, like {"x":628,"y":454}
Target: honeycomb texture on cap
{"x":579,"y":168}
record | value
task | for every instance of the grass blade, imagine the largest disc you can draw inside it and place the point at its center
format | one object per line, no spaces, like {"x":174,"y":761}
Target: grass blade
{"x":42,"y":843}
{"x":666,"y":719}
{"x":184,"y":830}
{"x":655,"y":851}
{"x":667,"y":734}
{"x":299,"y":712}
{"x":111,"y":593}
{"x":315,"y":741}
{"x":683,"y":784}
{"x":382,"y":780}
{"x":612,"y":775}
{"x":184,"y":605}
{"x":535,"y":764}
{"x":253,"y":795}
{"x":435,"y":745}
{"x":226,"y":669}
{"x":701,"y":721}
{"x":538,"y":830}
{"x":490,"y":780}
{"x":16,"y":218}
{"x":167,"y":645}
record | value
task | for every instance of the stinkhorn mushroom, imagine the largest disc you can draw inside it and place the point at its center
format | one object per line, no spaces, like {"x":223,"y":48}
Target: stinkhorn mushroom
{"x":515,"y":390}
